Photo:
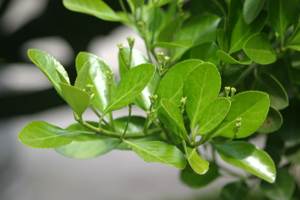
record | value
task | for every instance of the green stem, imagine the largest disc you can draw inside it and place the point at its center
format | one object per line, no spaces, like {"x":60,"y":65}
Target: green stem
{"x":128,"y":121}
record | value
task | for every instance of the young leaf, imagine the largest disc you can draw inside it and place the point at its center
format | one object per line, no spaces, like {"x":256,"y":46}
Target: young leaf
{"x":171,"y":85}
{"x":282,"y":189}
{"x":50,"y":67}
{"x":191,"y":179}
{"x":258,"y":49}
{"x":213,"y":115}
{"x":40,"y":134}
{"x":93,"y":71}
{"x":172,"y":118}
{"x":226,"y":58}
{"x":97,"y":8}
{"x":246,"y":156}
{"x":77,"y":99}
{"x":272,"y":123}
{"x":136,"y":58}
{"x":251,"y":108}
{"x":251,"y":9}
{"x":130,"y":86}
{"x":157,"y":151}
{"x":201,"y":88}
{"x":197,"y":163}
{"x":278,"y":95}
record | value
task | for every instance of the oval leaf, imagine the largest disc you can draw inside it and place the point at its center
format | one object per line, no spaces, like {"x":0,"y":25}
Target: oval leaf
{"x":272,"y":123}
{"x":213,"y":115}
{"x":50,"y":67}
{"x":40,"y":134}
{"x":251,"y":108}
{"x":251,"y":9}
{"x":77,"y":99}
{"x":201,"y":88}
{"x":246,"y":156}
{"x":130,"y":86}
{"x":258,"y":49}
{"x":97,"y":8}
{"x":226,"y":58}
{"x":157,"y":151}
{"x":197,"y":163}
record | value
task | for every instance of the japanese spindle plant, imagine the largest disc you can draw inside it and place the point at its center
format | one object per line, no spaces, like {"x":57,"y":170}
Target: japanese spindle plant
{"x":217,"y":75}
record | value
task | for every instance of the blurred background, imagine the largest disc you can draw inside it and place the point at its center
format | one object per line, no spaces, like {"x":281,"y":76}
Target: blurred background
{"x":26,"y":95}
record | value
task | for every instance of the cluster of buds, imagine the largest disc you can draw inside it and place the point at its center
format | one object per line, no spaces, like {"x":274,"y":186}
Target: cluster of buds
{"x":182,"y":104}
{"x":229,"y":91}
{"x":238,"y":124}
{"x":163,"y":61}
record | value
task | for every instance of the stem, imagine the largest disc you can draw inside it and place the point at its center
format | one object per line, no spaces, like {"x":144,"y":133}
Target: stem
{"x":99,"y":115}
{"x":128,"y":121}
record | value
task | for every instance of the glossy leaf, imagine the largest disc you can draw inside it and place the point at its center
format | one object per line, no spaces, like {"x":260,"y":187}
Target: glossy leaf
{"x":251,"y":108}
{"x":282,"y":189}
{"x":197,"y":163}
{"x":87,"y":146}
{"x":130,"y":86}
{"x":213,"y":115}
{"x":171,"y":85}
{"x":226,"y":58}
{"x":97,"y":8}
{"x":251,"y":9}
{"x":39,"y":134}
{"x":136,"y":58}
{"x":50,"y":67}
{"x":78,"y":99}
{"x":278,"y":95}
{"x":247,"y":157}
{"x":205,"y":52}
{"x":191,"y":179}
{"x":157,"y":151}
{"x":272,"y":123}
{"x":93,"y":71}
{"x":201,"y":88}
{"x":172,"y":118}
{"x":258,"y":49}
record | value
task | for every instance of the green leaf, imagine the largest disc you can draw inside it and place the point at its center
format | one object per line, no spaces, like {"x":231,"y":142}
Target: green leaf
{"x":50,"y":67}
{"x":251,"y":9}
{"x":226,"y":58}
{"x":247,"y":157}
{"x":171,"y":85}
{"x":172,"y":118}
{"x":294,"y":41}
{"x":260,"y":50}
{"x":282,"y":189}
{"x":197,"y":163}
{"x":130,"y":86}
{"x":213,"y":115}
{"x":205,"y":52}
{"x":234,"y":191}
{"x":87,"y":146}
{"x":242,"y":31}
{"x":136,"y":59}
{"x":78,"y":99}
{"x":197,"y":30}
{"x":278,"y":96}
{"x":97,"y":8}
{"x":39,"y":134}
{"x":93,"y":71}
{"x":157,"y":151}
{"x":282,"y":14}
{"x":190,"y":178}
{"x":272,"y":123}
{"x":201,"y":88}
{"x":251,"y":108}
